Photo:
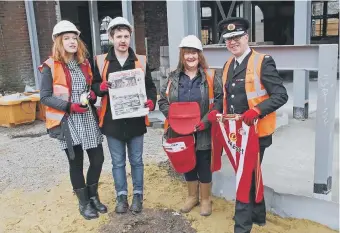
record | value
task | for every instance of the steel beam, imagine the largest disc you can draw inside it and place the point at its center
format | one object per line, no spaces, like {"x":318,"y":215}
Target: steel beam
{"x":221,"y":10}
{"x":302,"y":35}
{"x":32,"y":31}
{"x":127,"y":13}
{"x":184,"y":18}
{"x":93,"y":11}
{"x":287,"y":57}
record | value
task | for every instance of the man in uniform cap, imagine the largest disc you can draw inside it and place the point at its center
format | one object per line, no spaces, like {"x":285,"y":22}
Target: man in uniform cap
{"x":254,"y":89}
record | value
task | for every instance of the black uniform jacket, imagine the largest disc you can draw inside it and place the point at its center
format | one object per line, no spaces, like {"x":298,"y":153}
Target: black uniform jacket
{"x":123,"y":129}
{"x":237,"y":99}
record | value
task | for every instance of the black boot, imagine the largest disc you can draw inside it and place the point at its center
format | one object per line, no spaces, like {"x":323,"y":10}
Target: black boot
{"x":137,"y":203}
{"x":94,"y":198}
{"x":85,"y":207}
{"x":122,"y":204}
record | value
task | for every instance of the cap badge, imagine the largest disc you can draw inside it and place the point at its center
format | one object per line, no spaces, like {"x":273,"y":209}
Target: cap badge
{"x":231,"y":27}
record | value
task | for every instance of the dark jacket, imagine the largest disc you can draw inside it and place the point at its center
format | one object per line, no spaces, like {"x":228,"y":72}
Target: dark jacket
{"x":272,"y":82}
{"x":203,"y":137}
{"x":123,"y":129}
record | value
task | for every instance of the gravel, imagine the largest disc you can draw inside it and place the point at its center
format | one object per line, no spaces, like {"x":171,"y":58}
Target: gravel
{"x":30,"y":159}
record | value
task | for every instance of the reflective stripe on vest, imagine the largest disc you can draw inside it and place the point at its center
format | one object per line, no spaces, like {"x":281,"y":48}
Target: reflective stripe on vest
{"x":255,"y":91}
{"x":54,"y":115}
{"x":258,"y":90}
{"x":209,"y":74}
{"x":103,"y":65}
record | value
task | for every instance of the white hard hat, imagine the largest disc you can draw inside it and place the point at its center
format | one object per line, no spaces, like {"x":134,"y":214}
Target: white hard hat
{"x":118,"y":21}
{"x":64,"y":26}
{"x":191,"y":41}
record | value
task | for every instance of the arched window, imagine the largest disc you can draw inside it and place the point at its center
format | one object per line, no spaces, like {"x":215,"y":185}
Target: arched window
{"x":259,"y":25}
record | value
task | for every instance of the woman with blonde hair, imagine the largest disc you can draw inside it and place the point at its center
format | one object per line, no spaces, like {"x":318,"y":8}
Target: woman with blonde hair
{"x":191,"y":82}
{"x":71,"y":118}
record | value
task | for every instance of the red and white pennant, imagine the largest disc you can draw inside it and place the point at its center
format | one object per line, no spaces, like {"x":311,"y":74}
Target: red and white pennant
{"x":241,"y":144}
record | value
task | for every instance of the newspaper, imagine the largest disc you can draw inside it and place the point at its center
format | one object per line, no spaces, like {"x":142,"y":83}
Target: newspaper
{"x":127,"y":94}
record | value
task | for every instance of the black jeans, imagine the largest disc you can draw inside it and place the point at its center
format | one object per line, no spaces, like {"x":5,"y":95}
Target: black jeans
{"x":248,"y":213}
{"x":96,"y":158}
{"x":202,"y":170}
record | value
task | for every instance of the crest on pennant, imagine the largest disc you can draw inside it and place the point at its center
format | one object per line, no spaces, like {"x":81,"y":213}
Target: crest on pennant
{"x":232,"y":137}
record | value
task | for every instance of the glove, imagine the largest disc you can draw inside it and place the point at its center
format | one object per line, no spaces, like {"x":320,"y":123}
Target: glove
{"x":92,"y":97}
{"x":249,"y":116}
{"x":150,"y":105}
{"x":104,"y":86}
{"x":212,"y":116}
{"x":199,"y":127}
{"x":77,"y":108}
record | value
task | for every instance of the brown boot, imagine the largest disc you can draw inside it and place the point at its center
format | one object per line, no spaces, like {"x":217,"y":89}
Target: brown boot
{"x":192,"y":199}
{"x":205,"y":191}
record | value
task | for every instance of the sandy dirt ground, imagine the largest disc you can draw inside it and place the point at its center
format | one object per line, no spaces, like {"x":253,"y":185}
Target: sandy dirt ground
{"x":55,"y":210}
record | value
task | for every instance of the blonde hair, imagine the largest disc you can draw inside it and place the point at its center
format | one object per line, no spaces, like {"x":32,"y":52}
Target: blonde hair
{"x":201,"y":59}
{"x":59,"y":53}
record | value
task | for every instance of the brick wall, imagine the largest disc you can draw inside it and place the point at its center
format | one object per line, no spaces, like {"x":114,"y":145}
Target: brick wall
{"x":16,"y":68}
{"x":139,"y":26}
{"x":150,"y":20}
{"x":156,"y":29}
{"x":15,"y":60}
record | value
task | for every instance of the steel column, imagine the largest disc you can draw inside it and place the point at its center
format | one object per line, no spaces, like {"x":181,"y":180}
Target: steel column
{"x":247,"y":15}
{"x":57,"y":10}
{"x":302,"y":34}
{"x":325,"y":120}
{"x":184,"y":18}
{"x":127,"y":13}
{"x":215,"y":23}
{"x":93,"y":10}
{"x":32,"y":31}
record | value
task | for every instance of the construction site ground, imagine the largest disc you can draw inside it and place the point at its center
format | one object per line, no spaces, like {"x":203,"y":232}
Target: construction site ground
{"x":36,"y":194}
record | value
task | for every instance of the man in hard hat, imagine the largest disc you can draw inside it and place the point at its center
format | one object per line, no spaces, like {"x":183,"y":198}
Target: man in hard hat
{"x":127,"y":132}
{"x":252,"y":87}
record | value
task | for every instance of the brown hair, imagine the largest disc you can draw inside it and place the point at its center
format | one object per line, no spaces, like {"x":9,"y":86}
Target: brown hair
{"x":119,"y":28}
{"x":201,"y":59}
{"x":59,"y":53}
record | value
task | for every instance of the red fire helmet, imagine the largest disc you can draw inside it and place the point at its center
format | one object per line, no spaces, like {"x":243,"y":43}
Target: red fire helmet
{"x":184,"y":116}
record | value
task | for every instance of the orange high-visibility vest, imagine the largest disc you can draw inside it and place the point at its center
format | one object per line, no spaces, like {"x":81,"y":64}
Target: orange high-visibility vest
{"x":61,"y":90}
{"x":209,"y":73}
{"x":256,"y":93}
{"x":103,"y":65}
